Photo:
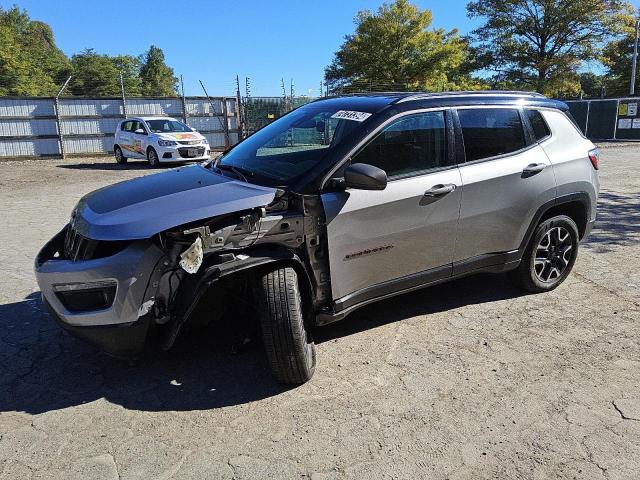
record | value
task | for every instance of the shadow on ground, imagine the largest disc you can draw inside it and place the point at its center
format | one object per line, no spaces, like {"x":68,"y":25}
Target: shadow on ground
{"x":617,"y":222}
{"x":136,"y":165}
{"x":42,"y":368}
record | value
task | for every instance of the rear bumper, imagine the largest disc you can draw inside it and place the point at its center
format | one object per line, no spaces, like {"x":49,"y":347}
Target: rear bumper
{"x":120,"y":328}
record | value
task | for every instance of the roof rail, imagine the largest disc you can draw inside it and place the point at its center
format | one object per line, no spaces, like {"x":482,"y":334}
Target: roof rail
{"x":496,"y":93}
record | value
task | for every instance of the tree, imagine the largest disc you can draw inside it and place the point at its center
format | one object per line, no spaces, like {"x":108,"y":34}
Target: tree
{"x":540,"y":44}
{"x":394,"y":49}
{"x":94,"y":75}
{"x":617,"y":57}
{"x":30,"y":62}
{"x":591,"y":84}
{"x":157,"y":77}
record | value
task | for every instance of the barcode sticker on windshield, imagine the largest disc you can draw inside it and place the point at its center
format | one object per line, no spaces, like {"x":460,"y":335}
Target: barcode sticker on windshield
{"x":351,"y":115}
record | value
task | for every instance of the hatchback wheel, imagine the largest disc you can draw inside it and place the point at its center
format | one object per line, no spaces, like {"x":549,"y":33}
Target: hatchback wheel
{"x":550,"y":255}
{"x":287,"y":340}
{"x":152,"y":158}
{"x":120,"y":158}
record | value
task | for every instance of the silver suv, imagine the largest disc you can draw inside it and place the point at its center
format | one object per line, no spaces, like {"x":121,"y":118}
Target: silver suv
{"x":342,"y":202}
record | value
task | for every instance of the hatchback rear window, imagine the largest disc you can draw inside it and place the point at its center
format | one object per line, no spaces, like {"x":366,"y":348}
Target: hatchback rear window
{"x":489,"y":132}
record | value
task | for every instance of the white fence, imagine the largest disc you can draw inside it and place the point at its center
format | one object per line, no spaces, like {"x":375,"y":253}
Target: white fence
{"x":38,"y":127}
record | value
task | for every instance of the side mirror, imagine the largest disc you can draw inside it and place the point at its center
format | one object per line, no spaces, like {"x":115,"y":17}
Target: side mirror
{"x":140,"y":131}
{"x":365,"y":177}
{"x":320,"y":126}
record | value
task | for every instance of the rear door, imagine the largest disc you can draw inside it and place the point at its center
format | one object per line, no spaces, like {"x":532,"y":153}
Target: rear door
{"x":124,"y":138}
{"x":384,"y":241}
{"x":506,"y":177}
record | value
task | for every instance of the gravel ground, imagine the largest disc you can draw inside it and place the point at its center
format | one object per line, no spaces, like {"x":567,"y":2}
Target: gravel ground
{"x":466,"y":380}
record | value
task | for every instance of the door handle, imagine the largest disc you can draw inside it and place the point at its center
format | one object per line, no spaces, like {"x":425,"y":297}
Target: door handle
{"x":533,"y":168}
{"x":440,"y":190}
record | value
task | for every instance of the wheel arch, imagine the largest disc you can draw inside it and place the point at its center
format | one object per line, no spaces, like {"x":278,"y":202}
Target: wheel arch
{"x":576,"y":206}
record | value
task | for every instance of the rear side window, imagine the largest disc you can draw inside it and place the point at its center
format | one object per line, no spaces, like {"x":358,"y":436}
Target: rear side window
{"x":489,"y":132}
{"x":539,"y":126}
{"x":408,"y":146}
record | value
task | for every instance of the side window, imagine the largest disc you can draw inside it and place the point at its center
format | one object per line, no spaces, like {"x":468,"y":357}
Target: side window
{"x":126,"y":126}
{"x":138,"y":126}
{"x":409,"y":145}
{"x":539,"y":126}
{"x":489,"y":132}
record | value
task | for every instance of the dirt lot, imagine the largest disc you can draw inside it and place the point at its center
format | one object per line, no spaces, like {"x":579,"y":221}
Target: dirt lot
{"x":466,"y":380}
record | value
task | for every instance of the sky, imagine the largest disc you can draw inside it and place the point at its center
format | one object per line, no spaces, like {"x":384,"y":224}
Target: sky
{"x":216,"y":40}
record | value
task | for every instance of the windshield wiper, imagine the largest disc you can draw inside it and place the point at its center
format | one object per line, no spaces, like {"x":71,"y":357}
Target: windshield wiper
{"x":241,"y":174}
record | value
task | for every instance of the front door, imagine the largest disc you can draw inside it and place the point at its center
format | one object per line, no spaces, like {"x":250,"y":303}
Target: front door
{"x":139,"y":139}
{"x":384,"y":241}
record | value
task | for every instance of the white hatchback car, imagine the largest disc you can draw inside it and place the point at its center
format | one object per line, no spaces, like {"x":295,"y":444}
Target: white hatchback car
{"x":158,"y":139}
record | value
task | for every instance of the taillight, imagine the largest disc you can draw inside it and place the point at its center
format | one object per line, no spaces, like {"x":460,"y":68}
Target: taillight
{"x":594,"y":156}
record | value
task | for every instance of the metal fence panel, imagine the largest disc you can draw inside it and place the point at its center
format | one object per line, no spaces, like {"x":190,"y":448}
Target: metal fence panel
{"x":79,"y":107}
{"x":88,"y":145}
{"x":27,"y":107}
{"x":27,"y":127}
{"x":29,"y":147}
{"x":89,"y":126}
{"x":628,"y":119}
{"x":171,"y":107}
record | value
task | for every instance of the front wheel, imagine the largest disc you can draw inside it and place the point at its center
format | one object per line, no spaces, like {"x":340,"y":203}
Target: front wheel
{"x":152,"y":158}
{"x":549,"y":257}
{"x":287,"y":342}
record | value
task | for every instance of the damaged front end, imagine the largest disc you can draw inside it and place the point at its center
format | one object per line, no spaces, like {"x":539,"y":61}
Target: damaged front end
{"x":119,"y":294}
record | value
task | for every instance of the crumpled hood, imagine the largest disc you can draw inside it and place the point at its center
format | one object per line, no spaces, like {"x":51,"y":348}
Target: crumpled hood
{"x":142,"y":207}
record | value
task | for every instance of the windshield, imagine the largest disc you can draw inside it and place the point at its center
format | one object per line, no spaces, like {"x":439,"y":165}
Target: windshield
{"x":294,"y":144}
{"x":167,"y":126}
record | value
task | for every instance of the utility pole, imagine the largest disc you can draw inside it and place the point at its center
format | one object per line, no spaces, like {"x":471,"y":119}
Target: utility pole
{"x":184,"y":102}
{"x":239,"y":107}
{"x":58,"y":122}
{"x":632,"y":87}
{"x":284,"y":90}
{"x":124,"y":100}
{"x":291,"y":91}
{"x":247,"y":87}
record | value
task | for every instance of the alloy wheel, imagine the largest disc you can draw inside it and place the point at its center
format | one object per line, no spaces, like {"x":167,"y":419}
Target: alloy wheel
{"x":553,"y":254}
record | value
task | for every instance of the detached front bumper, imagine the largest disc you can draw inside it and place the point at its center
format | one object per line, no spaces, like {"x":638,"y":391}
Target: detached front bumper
{"x":105,"y":300}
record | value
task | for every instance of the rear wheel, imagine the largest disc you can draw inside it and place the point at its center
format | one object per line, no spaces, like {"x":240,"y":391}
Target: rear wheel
{"x":152,"y":157}
{"x":550,"y":255}
{"x":287,"y":341}
{"x":120,"y":158}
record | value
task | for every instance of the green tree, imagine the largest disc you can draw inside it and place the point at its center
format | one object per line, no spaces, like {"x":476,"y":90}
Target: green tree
{"x":591,"y":84}
{"x":617,"y":57}
{"x":157,"y":77}
{"x":540,"y":44}
{"x":94,"y":75}
{"x":30,"y":62}
{"x":395,"y":48}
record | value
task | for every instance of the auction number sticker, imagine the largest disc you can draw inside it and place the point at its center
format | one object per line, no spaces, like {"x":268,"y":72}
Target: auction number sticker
{"x":351,"y":115}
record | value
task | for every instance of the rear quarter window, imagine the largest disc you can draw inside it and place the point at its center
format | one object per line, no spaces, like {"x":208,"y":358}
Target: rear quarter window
{"x":538,"y":125}
{"x":491,"y":132}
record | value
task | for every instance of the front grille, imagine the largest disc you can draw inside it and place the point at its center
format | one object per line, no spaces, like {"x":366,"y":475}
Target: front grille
{"x":78,"y":247}
{"x":184,"y":152}
{"x":188,"y":142}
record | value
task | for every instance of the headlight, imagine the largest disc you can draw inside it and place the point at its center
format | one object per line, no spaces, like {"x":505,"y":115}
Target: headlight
{"x":166,"y":143}
{"x":205,"y":141}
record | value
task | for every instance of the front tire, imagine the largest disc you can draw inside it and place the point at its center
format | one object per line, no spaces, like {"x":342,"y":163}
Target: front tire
{"x":152,"y":158}
{"x":549,"y":257}
{"x":120,"y":158}
{"x":290,"y":349}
